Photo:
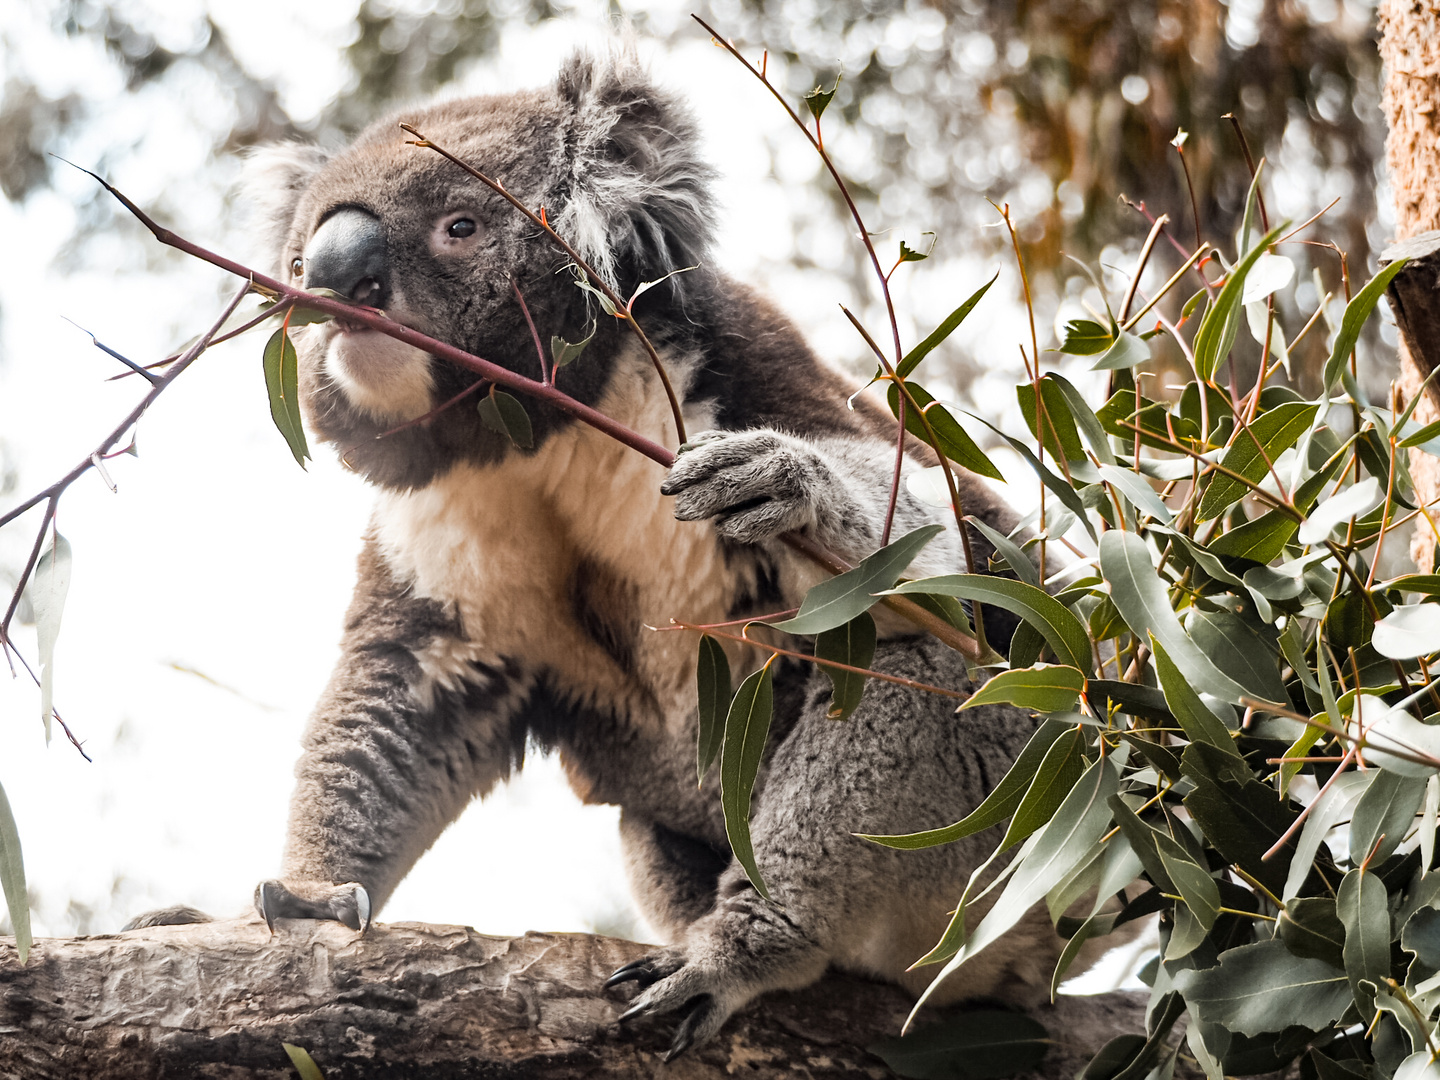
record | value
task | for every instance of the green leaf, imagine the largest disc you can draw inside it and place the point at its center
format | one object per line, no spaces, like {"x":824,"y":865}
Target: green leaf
{"x":1066,"y":841}
{"x":503,"y":413}
{"x":1240,"y":817}
{"x":1387,"y":809}
{"x":818,"y":99}
{"x":1310,"y":928}
{"x":835,"y":602}
{"x":564,"y":352}
{"x":1409,"y":631}
{"x":1277,"y":431}
{"x":955,"y":443}
{"x":1128,"y":351}
{"x":1136,"y":589}
{"x":1044,"y":688}
{"x":1153,"y":419}
{"x":1298,"y":749}
{"x":1263,"y":987}
{"x":1019,"y":563}
{"x":985,"y":1044}
{"x":1202,"y":895}
{"x":1363,"y":908}
{"x":1057,"y":419}
{"x":282,"y":383}
{"x":1085,"y":419}
{"x":1424,"y":435}
{"x":746,"y":728}
{"x":1062,"y":489}
{"x":909,"y":254}
{"x":303,"y":1062}
{"x":1356,"y":312}
{"x":12,"y":879}
{"x":1064,"y":633}
{"x":1057,"y":776}
{"x":49,"y":585}
{"x":1218,"y":328}
{"x":1085,"y":338}
{"x":997,"y":806}
{"x":1138,"y":490}
{"x":1263,"y":539}
{"x":1237,"y":649}
{"x":943,"y":331}
{"x":712,"y":680}
{"x":1389,"y":729}
{"x":853,"y":644}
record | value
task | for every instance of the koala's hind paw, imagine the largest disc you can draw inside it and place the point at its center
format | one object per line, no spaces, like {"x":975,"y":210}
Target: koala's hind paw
{"x":673,"y":985}
{"x":348,"y":903}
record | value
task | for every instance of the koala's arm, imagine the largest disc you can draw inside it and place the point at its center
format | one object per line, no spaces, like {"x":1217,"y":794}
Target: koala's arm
{"x":761,"y":483}
{"x":392,"y":755}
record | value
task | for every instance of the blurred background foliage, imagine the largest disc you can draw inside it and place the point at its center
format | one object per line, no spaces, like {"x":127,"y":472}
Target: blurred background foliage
{"x":1055,"y":107}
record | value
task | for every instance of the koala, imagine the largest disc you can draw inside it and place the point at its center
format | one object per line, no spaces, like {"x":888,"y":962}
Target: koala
{"x":505,"y":594}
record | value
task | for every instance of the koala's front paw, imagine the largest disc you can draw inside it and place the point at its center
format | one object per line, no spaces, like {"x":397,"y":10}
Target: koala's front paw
{"x":671,"y":984}
{"x":348,"y":903}
{"x":756,"y":484}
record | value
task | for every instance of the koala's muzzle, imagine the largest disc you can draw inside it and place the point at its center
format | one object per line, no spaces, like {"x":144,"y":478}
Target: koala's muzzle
{"x":347,"y":254}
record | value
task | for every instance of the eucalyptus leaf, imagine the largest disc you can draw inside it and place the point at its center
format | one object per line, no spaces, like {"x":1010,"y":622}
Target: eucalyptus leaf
{"x":1058,"y":774}
{"x":1045,"y":688}
{"x":1362,"y":906}
{"x":1354,"y":501}
{"x":1063,"y":632}
{"x":1383,"y":816}
{"x":836,"y":601}
{"x":1017,"y":560}
{"x":984,"y":1044}
{"x":943,"y":331}
{"x":49,"y":585}
{"x":1083,"y":337}
{"x":304,"y":1064}
{"x":1264,"y":987}
{"x":1409,"y":631}
{"x":1356,"y":312}
{"x":1217,"y":330}
{"x":563,"y":352}
{"x":955,"y":442}
{"x":12,"y":879}
{"x":712,"y":680}
{"x":1310,"y":927}
{"x":852,"y":644}
{"x":1276,"y":431}
{"x":747,"y":727}
{"x":1128,"y":351}
{"x":502,"y":412}
{"x":282,"y":384}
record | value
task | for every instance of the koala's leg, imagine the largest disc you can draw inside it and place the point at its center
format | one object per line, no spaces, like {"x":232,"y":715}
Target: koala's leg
{"x":673,"y":877}
{"x":409,"y":730}
{"x":903,"y":762}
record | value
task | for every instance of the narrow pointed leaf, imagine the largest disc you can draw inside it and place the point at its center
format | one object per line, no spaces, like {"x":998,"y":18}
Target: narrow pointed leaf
{"x":12,"y":878}
{"x":1202,"y":895}
{"x":303,"y":1062}
{"x":49,"y":586}
{"x":1138,"y":490}
{"x":1086,"y":422}
{"x":1136,"y":590}
{"x":955,"y":443}
{"x":1084,"y":337}
{"x":853,"y":644}
{"x":746,"y":729}
{"x":1354,"y":501}
{"x":563,"y":352}
{"x":1276,"y":431}
{"x":997,"y":806}
{"x":282,"y":383}
{"x":1057,"y":419}
{"x":1044,"y":688}
{"x":1017,"y":560}
{"x":1062,"y":630}
{"x":712,"y":680}
{"x":943,"y":331}
{"x":1057,"y":776}
{"x":1384,"y":815}
{"x":835,"y":602}
{"x":1263,"y":987}
{"x":1128,"y":351}
{"x":1362,"y":907}
{"x":1217,"y":330}
{"x":1356,"y":312}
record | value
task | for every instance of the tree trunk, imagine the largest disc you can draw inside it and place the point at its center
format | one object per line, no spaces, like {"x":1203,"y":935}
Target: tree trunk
{"x":1410,"y":50}
{"x":416,"y":1000}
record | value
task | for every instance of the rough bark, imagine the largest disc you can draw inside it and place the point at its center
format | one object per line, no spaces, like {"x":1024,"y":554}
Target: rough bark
{"x":1410,"y":50}
{"x":216,"y":1000}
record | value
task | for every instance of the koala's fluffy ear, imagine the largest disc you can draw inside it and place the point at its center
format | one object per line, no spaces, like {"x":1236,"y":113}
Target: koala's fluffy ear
{"x":640,"y":203}
{"x":272,"y":182}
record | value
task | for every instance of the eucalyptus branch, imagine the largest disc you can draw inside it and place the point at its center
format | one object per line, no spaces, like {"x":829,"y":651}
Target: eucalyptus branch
{"x":376,"y":320}
{"x":595,"y":279}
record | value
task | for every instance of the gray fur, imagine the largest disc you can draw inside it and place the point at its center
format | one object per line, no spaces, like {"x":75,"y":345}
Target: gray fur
{"x":503,"y":594}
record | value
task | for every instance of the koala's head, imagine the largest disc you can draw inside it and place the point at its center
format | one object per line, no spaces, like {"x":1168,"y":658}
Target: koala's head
{"x":612,"y":159}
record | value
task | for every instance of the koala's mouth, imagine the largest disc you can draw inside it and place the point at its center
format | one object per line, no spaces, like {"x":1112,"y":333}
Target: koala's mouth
{"x":377,"y":374}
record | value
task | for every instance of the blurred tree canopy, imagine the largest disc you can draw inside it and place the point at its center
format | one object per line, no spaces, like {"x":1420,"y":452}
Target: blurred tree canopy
{"x":1056,"y":107}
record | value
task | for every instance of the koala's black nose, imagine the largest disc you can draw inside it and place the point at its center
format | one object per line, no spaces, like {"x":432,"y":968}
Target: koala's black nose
{"x":347,"y":255}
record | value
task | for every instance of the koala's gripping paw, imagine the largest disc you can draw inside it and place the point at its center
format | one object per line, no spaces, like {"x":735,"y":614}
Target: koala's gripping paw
{"x":348,"y":903}
{"x":756,"y":484}
{"x":671,"y":984}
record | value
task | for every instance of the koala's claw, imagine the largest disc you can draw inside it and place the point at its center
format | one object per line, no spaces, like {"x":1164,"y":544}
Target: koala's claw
{"x":348,"y":903}
{"x":641,"y":971}
{"x":672,"y":985}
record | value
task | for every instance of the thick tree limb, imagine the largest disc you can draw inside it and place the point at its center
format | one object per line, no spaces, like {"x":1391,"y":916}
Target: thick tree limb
{"x":417,"y":1000}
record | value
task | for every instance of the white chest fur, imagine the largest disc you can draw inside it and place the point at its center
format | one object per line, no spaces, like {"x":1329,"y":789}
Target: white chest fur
{"x":502,"y":546}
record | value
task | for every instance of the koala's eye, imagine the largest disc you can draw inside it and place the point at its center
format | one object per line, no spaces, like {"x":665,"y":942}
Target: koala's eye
{"x":461,"y":229}
{"x":297,"y":266}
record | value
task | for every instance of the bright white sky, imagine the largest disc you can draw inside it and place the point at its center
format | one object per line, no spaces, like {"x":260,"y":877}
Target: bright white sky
{"x":220,"y":557}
